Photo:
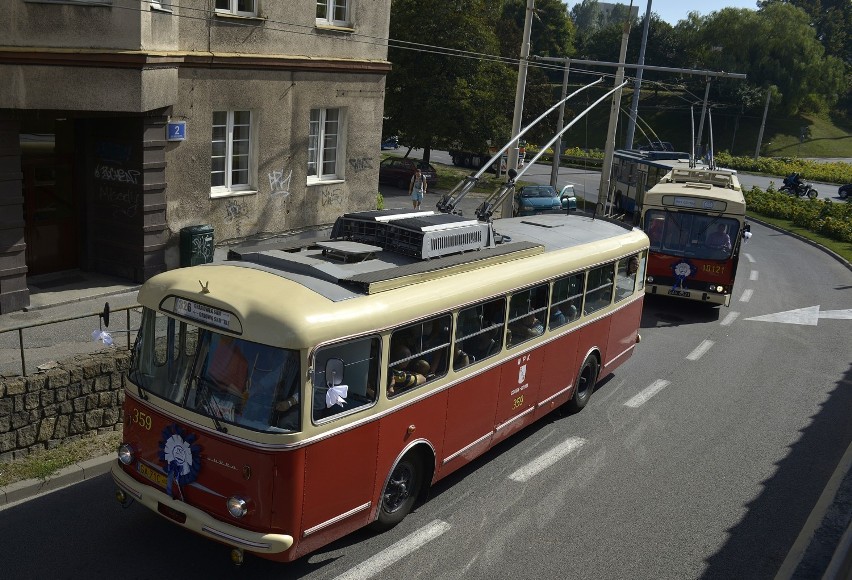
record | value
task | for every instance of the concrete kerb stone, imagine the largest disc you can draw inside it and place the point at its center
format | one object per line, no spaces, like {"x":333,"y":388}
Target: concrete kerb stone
{"x":23,"y":490}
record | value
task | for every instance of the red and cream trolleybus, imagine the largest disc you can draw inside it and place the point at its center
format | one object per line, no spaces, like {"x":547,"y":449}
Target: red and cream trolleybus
{"x":286,"y":397}
{"x":695,"y":219}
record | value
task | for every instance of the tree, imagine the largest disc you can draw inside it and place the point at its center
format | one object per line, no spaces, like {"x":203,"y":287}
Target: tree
{"x":551,"y":35}
{"x":773,"y":46}
{"x":442,"y":91}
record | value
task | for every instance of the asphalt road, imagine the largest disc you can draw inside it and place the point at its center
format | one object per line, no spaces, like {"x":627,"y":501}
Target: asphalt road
{"x":701,"y":457}
{"x":586,"y":183}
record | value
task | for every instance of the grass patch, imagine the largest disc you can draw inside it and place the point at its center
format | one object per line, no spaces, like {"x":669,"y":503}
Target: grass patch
{"x":43,"y":464}
{"x":841,"y":248}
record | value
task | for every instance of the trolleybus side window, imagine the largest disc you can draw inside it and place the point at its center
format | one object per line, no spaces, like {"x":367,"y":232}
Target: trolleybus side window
{"x":527,"y":314}
{"x":625,"y":277}
{"x":599,"y":288}
{"x":419,"y":353}
{"x":567,"y":300}
{"x":345,"y":376}
{"x":479,"y":332}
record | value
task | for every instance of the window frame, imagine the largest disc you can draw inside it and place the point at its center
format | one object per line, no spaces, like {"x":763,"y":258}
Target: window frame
{"x":318,"y":370}
{"x":316,"y":144}
{"x":229,"y":188}
{"x":233,"y":9}
{"x":556,"y":301}
{"x":331,"y":7}
{"x":462,"y":358}
{"x":420,"y":348}
{"x":540,"y":293}
{"x":590,"y":301}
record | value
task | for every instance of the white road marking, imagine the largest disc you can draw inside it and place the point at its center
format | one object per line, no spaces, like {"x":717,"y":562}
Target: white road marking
{"x":700,"y":351}
{"x":392,"y":554}
{"x":749,"y":258}
{"x":753,"y":275}
{"x":807,"y":316}
{"x":642,"y":397}
{"x":547,"y":459}
{"x":729,"y":319}
{"x":746,"y":295}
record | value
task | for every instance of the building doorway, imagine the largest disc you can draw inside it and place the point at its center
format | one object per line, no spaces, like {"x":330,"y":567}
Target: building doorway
{"x":51,"y":206}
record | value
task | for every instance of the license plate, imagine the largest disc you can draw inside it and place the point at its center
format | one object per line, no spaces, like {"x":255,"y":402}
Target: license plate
{"x":679,"y":293}
{"x":152,"y":474}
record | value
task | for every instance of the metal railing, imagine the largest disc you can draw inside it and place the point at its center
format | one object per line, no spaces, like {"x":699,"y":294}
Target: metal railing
{"x":100,"y":316}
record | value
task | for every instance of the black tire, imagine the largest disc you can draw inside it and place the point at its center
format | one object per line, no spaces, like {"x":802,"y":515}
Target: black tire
{"x":812,"y":193}
{"x":400,"y":493}
{"x":586,"y":380}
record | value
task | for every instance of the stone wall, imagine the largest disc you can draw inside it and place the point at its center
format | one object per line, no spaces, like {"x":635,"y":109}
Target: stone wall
{"x":81,"y":396}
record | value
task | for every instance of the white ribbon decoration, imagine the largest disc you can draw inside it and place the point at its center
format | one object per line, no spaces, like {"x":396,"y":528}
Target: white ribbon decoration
{"x":103,"y":336}
{"x":336,"y":395}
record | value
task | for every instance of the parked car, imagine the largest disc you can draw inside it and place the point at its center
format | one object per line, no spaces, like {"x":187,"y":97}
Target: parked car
{"x":536,"y":199}
{"x":568,"y":199}
{"x":845,"y":191}
{"x":399,"y":170}
{"x":390,"y":143}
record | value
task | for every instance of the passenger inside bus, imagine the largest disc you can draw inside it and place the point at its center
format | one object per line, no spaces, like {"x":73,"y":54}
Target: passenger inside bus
{"x":524,"y":326}
{"x":400,"y":376}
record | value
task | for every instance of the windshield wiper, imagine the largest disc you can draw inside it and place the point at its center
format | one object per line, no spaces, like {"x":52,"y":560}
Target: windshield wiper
{"x":208,"y":408}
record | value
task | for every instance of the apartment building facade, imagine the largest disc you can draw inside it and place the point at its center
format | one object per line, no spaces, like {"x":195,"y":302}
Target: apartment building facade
{"x":123,"y":122}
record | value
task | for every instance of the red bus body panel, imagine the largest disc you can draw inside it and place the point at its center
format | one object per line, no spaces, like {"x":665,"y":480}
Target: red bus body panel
{"x":226,"y":468}
{"x":471,"y":408}
{"x":719,"y":272}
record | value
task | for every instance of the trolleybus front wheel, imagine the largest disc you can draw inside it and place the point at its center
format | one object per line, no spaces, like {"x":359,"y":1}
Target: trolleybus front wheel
{"x":401,"y":491}
{"x":586,"y":379}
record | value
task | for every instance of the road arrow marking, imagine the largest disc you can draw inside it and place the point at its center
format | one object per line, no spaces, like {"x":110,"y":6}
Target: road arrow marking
{"x":805,"y":316}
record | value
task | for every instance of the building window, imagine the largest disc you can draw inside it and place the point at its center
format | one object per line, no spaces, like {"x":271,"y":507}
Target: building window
{"x":161,"y":4}
{"x":333,"y":12}
{"x":238,"y":7}
{"x":323,"y":144}
{"x":230,"y":159}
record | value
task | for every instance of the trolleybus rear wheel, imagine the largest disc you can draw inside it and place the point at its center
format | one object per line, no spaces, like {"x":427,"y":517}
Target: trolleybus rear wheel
{"x":400,"y":493}
{"x":586,"y":379}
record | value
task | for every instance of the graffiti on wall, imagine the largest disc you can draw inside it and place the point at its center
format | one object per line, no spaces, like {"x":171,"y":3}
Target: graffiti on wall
{"x":332,"y":196}
{"x":279,"y":184}
{"x":234,"y":212}
{"x":360,"y":163}
{"x":116,"y":174}
{"x":124,"y":202}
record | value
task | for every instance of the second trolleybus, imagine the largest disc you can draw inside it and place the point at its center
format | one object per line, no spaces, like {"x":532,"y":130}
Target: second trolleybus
{"x":288,"y":396}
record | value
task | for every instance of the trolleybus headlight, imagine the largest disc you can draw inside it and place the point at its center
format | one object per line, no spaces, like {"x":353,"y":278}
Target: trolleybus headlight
{"x":125,"y":454}
{"x":237,"y":506}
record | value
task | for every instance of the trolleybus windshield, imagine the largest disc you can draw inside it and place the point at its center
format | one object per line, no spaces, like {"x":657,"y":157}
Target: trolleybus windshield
{"x":226,"y":378}
{"x":689,"y":234}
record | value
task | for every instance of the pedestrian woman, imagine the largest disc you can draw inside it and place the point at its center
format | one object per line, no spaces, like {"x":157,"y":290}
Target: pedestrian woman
{"x":417,"y":188}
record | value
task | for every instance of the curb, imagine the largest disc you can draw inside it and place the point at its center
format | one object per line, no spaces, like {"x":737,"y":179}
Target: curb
{"x":817,"y":245}
{"x":21,"y":491}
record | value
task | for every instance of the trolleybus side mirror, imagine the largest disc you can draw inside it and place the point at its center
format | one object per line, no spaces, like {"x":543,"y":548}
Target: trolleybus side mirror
{"x":105,"y":315}
{"x":333,"y":372}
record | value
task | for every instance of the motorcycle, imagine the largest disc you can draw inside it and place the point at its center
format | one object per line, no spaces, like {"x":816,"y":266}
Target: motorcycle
{"x":799,"y":189}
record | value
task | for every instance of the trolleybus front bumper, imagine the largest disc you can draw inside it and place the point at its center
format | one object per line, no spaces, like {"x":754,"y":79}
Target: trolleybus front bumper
{"x":689,"y":294}
{"x":198,"y":521}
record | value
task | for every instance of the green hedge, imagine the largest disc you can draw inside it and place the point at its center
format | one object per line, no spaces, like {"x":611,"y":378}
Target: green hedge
{"x":835,"y":172}
{"x":833,"y":220}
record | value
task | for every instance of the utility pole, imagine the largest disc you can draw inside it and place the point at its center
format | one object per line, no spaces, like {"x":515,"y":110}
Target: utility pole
{"x":762,"y":124}
{"x":703,"y":112}
{"x":634,"y":107}
{"x":606,"y":169}
{"x":557,"y":149}
{"x":519,"y":98}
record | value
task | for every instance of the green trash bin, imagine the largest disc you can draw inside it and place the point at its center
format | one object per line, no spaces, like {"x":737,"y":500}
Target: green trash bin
{"x":196,"y":245}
